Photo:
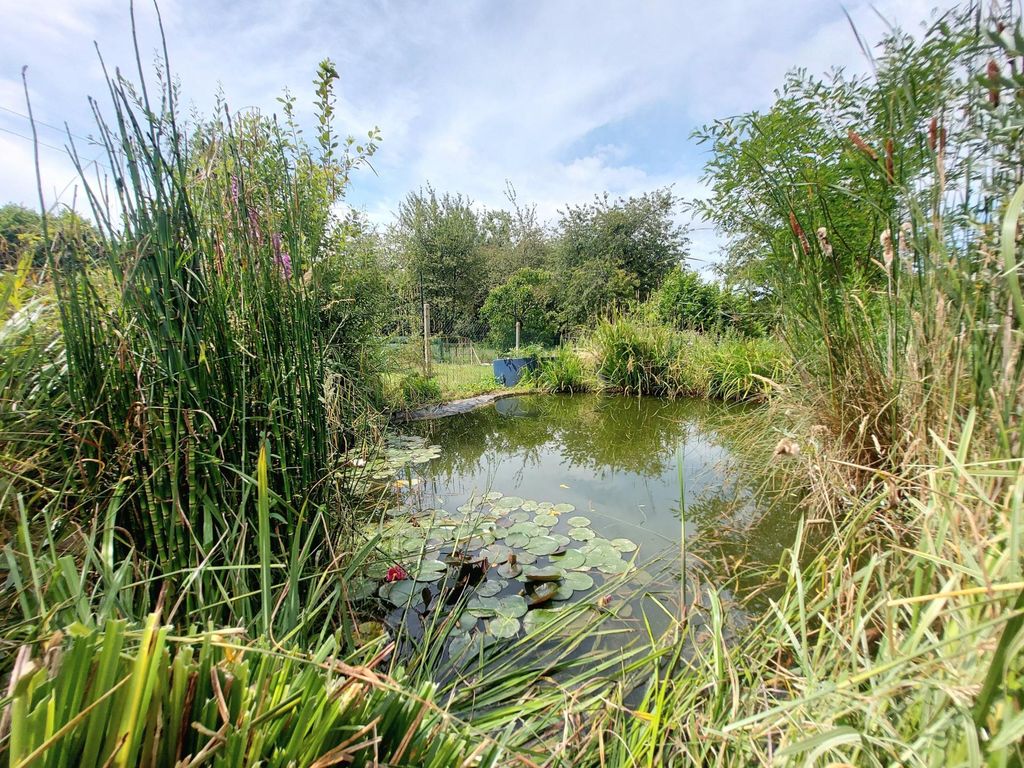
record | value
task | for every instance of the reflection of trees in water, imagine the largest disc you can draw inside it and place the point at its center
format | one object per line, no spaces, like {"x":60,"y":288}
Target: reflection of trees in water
{"x":638,"y":435}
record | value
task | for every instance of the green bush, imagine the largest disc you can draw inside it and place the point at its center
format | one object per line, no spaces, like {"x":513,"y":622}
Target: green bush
{"x":632,"y":357}
{"x":564,"y":372}
{"x":416,"y":389}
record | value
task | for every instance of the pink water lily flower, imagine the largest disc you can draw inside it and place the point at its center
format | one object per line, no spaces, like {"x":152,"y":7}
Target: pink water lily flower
{"x":396,"y":573}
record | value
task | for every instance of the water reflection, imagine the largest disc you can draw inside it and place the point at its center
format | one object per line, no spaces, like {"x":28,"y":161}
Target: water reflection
{"x":641,"y":468}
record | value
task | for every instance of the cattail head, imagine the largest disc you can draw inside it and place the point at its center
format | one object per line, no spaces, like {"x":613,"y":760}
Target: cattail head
{"x":887,"y":252}
{"x":861,"y":144}
{"x":993,"y":79}
{"x":799,"y":232}
{"x":933,"y":134}
{"x":890,"y":165}
{"x":826,"y":246}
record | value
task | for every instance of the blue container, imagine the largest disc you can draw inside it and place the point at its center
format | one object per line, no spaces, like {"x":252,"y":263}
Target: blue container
{"x":509,"y":370}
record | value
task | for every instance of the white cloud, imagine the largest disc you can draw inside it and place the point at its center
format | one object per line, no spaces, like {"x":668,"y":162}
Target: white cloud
{"x":467,"y":94}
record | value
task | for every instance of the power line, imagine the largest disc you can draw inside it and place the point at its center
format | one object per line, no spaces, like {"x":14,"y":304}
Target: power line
{"x":41,"y":122}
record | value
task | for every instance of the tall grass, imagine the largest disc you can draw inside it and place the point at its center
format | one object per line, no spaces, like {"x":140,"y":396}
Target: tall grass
{"x":194,"y":349}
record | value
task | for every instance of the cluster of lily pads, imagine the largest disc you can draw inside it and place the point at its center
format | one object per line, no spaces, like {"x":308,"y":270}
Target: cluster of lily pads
{"x":513,"y":558}
{"x":400,"y":452}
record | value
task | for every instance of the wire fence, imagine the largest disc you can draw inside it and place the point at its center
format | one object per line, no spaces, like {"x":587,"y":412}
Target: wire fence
{"x":431,"y":346}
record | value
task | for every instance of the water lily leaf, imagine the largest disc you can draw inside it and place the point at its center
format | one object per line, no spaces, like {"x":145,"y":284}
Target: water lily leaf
{"x":508,"y":502}
{"x":360,"y":589}
{"x":613,"y":566}
{"x":541,"y":617}
{"x":561,"y":509}
{"x":581,"y":534}
{"x":623,"y":545}
{"x":561,"y":538}
{"x":507,"y":571}
{"x":545,"y":520}
{"x":519,"y":517}
{"x":549,"y":573}
{"x":545,"y":506}
{"x":493,"y":496}
{"x":490,"y":587}
{"x":530,"y":529}
{"x":529,"y":505}
{"x":517,"y":539}
{"x":542,"y":545}
{"x":402,"y":594}
{"x":564,"y":592}
{"x":526,"y":558}
{"x":579,"y":521}
{"x":578,"y":580}
{"x":571,"y":558}
{"x":460,"y":644}
{"x":430,"y":570}
{"x":482,"y":607}
{"x":542,"y":593}
{"x":511,"y":605}
{"x":503,"y":627}
{"x":496,"y":554}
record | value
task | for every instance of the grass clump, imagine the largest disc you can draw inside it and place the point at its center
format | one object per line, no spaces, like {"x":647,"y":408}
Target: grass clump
{"x":563,"y":373}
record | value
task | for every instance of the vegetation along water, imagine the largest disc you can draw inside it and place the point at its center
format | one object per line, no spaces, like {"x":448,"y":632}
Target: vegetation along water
{"x":773,"y":516}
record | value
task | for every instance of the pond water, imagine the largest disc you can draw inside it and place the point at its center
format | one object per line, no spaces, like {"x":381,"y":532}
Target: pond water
{"x":640,"y":468}
{"x":589,"y":489}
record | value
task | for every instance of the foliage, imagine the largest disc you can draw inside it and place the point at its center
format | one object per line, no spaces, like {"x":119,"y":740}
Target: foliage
{"x":441,"y":238}
{"x":564,"y":372}
{"x":21,"y":231}
{"x":415,"y":389}
{"x":611,"y":253}
{"x":121,"y":697}
{"x":195,"y":350}
{"x":524,"y":299}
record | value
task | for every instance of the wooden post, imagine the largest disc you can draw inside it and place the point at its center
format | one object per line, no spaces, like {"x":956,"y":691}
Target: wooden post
{"x":519,"y":327}
{"x":426,"y":338}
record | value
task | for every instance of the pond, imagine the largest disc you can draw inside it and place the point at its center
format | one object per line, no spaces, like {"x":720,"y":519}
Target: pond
{"x":586,"y":492}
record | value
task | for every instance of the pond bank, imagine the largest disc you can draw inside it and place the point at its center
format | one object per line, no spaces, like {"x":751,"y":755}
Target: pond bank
{"x":452,"y":407}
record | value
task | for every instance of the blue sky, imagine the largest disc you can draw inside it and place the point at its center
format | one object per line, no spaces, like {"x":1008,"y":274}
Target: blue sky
{"x":562,"y":98}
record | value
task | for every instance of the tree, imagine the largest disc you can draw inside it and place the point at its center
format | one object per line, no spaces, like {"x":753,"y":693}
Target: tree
{"x":441,"y":242}
{"x":616,"y":251}
{"x":21,"y":229}
{"x":523,"y":298}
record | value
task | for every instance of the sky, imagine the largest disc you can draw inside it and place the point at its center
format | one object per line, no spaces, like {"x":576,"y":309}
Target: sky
{"x":564,"y":99}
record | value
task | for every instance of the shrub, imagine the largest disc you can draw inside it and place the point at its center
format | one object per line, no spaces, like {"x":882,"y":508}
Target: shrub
{"x":565,"y":372}
{"x":416,"y":389}
{"x":632,"y":357}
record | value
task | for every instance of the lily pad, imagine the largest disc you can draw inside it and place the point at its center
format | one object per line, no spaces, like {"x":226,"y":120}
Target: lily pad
{"x":526,"y":558}
{"x":490,"y":587}
{"x":578,"y":580}
{"x":613,"y":567}
{"x":562,"y":509}
{"x":542,"y":545}
{"x":519,"y":517}
{"x":571,"y":558}
{"x":507,"y":571}
{"x":503,"y":627}
{"x":529,"y":505}
{"x":517,"y":539}
{"x":508,"y":502}
{"x":543,"y":592}
{"x":402,"y":594}
{"x":561,"y":538}
{"x":624,"y":545}
{"x":493,"y":496}
{"x":581,"y":534}
{"x":430,"y":570}
{"x":549,"y":573}
{"x":564,"y":592}
{"x":496,"y":554}
{"x":546,"y":520}
{"x":579,"y":521}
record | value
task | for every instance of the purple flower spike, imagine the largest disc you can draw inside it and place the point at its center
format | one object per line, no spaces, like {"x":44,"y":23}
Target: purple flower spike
{"x":234,"y":189}
{"x":284,"y":262}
